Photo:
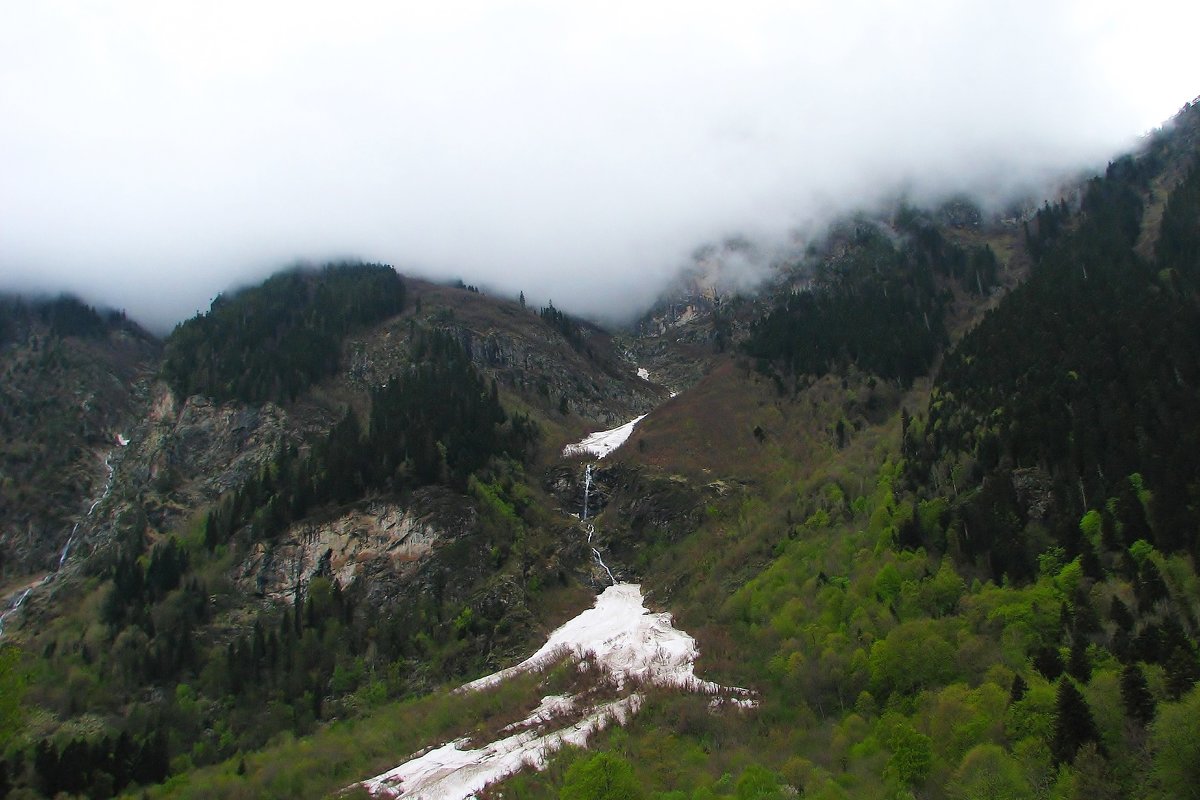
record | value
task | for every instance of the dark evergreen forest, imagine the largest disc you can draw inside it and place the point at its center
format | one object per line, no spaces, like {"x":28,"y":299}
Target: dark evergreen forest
{"x":880,"y":305}
{"x":271,"y":342}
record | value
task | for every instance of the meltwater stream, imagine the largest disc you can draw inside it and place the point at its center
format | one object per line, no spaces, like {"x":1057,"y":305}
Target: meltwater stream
{"x":587,"y":489}
{"x":18,"y":600}
{"x":589,"y":527}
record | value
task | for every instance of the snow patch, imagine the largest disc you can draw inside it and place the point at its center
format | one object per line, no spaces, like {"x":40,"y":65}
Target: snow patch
{"x":122,"y":440}
{"x":643,"y":373}
{"x":552,"y":705}
{"x":601,"y":443}
{"x":451,"y":772}
{"x":620,"y":635}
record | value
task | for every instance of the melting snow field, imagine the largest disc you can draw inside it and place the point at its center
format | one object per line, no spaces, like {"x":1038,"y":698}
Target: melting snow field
{"x":618,"y":634}
{"x":452,"y":773}
{"x":601,"y":443}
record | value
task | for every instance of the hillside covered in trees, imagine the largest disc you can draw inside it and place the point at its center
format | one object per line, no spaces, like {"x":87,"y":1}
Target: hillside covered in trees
{"x":270,"y":342}
{"x":877,"y":304}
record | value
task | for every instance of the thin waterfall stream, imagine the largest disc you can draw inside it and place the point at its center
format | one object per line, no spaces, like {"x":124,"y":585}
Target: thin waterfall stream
{"x":589,"y":527}
{"x":19,"y":599}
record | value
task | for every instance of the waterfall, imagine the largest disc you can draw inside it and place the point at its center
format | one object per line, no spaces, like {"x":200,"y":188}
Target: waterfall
{"x":589,"y":527}
{"x":66,"y":551}
{"x":62,"y":558}
{"x":600,"y":561}
{"x":587,"y":490}
{"x":14,"y":607}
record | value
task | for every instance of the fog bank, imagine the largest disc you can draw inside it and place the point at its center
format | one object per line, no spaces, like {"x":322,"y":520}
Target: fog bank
{"x":154,"y":154}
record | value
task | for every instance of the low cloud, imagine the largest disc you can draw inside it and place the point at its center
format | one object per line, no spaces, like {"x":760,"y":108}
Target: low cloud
{"x":154,"y":154}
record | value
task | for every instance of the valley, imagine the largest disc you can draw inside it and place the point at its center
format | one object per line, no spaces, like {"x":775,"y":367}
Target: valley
{"x":916,"y":519}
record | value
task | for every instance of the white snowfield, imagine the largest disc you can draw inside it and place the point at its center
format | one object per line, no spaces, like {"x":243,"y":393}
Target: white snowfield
{"x":622,"y":637}
{"x":452,"y":773}
{"x":618,"y":634}
{"x":643,"y":373}
{"x":601,"y":443}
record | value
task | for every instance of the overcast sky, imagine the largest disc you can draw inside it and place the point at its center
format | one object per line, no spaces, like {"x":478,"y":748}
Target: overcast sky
{"x":154,"y":153}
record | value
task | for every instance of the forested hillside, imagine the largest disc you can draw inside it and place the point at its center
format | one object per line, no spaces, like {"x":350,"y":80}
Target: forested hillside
{"x":877,"y":304}
{"x":1086,"y":379}
{"x":271,"y":342}
{"x":165,"y":666}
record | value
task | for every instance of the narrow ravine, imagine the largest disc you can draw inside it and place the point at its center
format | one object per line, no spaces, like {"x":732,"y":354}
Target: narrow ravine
{"x":588,"y":527}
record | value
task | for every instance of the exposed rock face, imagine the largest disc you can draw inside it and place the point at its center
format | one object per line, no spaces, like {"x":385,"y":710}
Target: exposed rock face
{"x":218,"y":445}
{"x":600,"y":392}
{"x":379,"y":541}
{"x":514,"y":347}
{"x":179,"y":458}
{"x":1034,"y":489}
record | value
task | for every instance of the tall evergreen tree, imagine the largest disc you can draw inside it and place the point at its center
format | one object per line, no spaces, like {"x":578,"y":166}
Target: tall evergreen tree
{"x":1135,"y":695}
{"x":1073,"y":723}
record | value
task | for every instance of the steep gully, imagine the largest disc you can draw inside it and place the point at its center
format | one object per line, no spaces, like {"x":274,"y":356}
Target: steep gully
{"x":17,"y":600}
{"x":618,"y":634}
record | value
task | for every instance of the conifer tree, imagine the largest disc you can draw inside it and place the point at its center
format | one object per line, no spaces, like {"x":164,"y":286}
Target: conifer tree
{"x":1135,"y":695}
{"x":1018,"y":690}
{"x":1073,"y":723}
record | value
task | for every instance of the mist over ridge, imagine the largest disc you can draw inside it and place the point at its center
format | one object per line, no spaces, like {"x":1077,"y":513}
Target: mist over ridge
{"x":161,"y":155}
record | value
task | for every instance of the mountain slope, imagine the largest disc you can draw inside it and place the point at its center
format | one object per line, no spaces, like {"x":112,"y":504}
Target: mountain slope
{"x":71,"y":380}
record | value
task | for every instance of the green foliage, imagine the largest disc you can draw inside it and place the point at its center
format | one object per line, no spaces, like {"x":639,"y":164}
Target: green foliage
{"x":13,"y":682}
{"x":1046,"y":381}
{"x":67,"y":316}
{"x":1073,"y":722}
{"x":1175,"y":744}
{"x":989,"y":773}
{"x":899,"y":644}
{"x":758,"y":783}
{"x":565,"y":325}
{"x":913,"y":656}
{"x":602,"y":776}
{"x":437,"y":423}
{"x":912,"y":755}
{"x":1089,"y":526}
{"x":1135,"y":695}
